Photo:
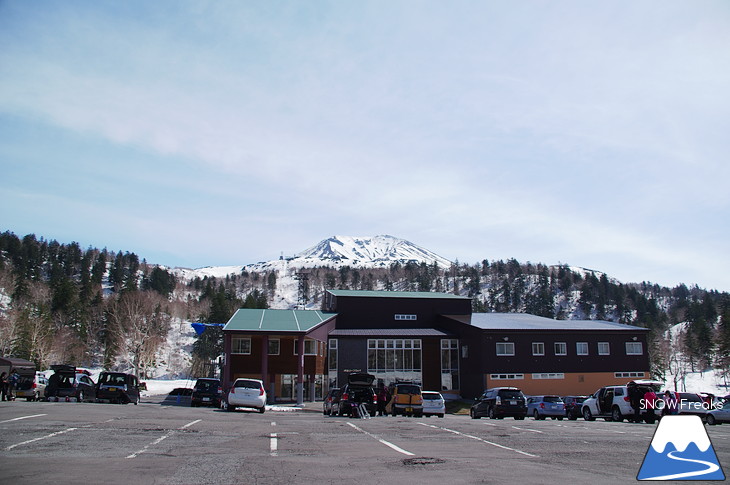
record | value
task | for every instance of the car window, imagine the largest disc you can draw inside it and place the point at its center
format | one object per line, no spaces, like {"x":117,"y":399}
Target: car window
{"x":247,"y":384}
{"x":510,"y":394}
{"x":552,"y":399}
{"x":619,"y":391}
{"x":431,"y":396}
{"x":408,"y":389}
{"x":209,"y":385}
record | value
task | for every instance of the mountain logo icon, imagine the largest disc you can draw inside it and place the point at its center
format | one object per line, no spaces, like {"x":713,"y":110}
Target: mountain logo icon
{"x":680,"y":450}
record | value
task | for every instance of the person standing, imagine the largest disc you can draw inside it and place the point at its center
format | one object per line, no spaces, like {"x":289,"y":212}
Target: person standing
{"x":4,"y":386}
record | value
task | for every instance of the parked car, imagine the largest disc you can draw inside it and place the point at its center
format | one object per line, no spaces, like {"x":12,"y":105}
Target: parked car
{"x":541,"y":407}
{"x":246,"y":393}
{"x":406,"y":399}
{"x":358,"y":391}
{"x":332,"y":395}
{"x":207,"y":392}
{"x":433,"y":404}
{"x":67,"y":383}
{"x":719,"y":415}
{"x":573,"y":405}
{"x":690,"y":403}
{"x":499,"y":402}
{"x":613,"y":403}
{"x":118,"y":387}
{"x":22,"y":372}
{"x":32,"y":388}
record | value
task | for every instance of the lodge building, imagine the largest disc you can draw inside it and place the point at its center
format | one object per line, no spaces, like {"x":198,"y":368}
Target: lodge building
{"x":432,"y":339}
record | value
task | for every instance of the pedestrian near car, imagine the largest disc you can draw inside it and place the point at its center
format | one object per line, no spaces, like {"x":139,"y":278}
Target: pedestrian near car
{"x":635,"y":396}
{"x":4,"y":386}
{"x":13,"y":381}
{"x":670,"y":404}
{"x":650,"y":403}
{"x":383,"y":398}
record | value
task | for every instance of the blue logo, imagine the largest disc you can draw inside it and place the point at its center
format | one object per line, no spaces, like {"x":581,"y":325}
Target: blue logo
{"x":680,"y":450}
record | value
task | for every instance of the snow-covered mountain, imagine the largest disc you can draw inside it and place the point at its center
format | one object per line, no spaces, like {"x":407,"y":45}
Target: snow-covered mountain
{"x":335,"y":252}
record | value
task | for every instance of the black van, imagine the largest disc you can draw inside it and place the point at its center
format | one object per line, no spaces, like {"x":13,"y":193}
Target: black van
{"x":499,"y":402}
{"x":207,"y":392}
{"x":118,"y":387}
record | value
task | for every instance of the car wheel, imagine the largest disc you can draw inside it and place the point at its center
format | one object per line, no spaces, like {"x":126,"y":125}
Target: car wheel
{"x":80,"y":396}
{"x":473,"y":414}
{"x":230,"y":408}
{"x":616,"y":415}
{"x":711,"y":420}
{"x":262,"y":409}
{"x":136,"y":400}
{"x":572,"y":417}
{"x":560,"y":418}
{"x":441,"y":415}
{"x":587,"y":415}
{"x":491,"y":414}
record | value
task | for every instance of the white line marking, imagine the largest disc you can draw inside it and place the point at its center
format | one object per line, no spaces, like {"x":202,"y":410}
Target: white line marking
{"x":274,"y":445}
{"x":262,"y":318}
{"x":161,"y":438}
{"x":41,"y":438}
{"x":296,"y":319}
{"x":23,"y":417}
{"x":386,"y":443}
{"x":480,"y":439}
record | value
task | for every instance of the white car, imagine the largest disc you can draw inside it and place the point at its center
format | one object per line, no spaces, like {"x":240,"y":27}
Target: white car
{"x":246,"y":393}
{"x":613,"y":403}
{"x":433,"y":404}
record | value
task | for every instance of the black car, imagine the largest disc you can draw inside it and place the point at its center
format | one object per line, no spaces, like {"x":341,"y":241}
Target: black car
{"x":573,"y":406}
{"x":499,"y":402}
{"x":330,"y":398}
{"x":358,"y":391}
{"x":66,"y":383}
{"x":207,"y":392}
{"x":118,"y":387}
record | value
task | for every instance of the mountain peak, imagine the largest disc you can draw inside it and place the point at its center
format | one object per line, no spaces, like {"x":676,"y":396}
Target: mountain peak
{"x":369,"y":251}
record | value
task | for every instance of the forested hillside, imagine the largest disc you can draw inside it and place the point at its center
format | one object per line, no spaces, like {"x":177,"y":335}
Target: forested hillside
{"x":62,"y":303}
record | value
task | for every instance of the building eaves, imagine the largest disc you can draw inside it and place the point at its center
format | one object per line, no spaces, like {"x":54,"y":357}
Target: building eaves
{"x":388,"y":332}
{"x":525,"y":321}
{"x":397,"y":294}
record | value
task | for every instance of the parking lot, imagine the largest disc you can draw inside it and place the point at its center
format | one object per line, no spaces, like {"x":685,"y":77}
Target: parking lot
{"x":160,"y":443}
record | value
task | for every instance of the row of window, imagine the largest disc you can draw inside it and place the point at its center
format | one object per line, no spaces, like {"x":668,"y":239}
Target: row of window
{"x":507,"y":349}
{"x":242,"y":346}
{"x":560,"y":375}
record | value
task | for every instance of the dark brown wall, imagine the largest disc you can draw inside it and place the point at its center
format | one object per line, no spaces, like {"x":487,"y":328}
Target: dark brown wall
{"x":284,"y":363}
{"x":366,"y":312}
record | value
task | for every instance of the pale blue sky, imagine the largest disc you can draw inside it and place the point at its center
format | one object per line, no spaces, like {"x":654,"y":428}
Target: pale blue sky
{"x":219,"y":133}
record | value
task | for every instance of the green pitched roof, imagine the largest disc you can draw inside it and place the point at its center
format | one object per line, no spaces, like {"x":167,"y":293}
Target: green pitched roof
{"x":396,"y":294}
{"x":256,"y":320}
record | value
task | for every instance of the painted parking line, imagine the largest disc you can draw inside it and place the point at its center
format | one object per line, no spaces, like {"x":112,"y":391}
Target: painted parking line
{"x":41,"y":438}
{"x":23,"y":417}
{"x":161,"y":439}
{"x":480,"y":439}
{"x":274,"y":443}
{"x":386,"y":443}
{"x":528,"y":429}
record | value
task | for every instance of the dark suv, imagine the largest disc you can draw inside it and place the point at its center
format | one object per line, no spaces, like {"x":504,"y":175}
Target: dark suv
{"x":117,"y":387}
{"x":358,"y":390}
{"x":207,"y":392}
{"x":499,"y":402}
{"x":67,"y":383}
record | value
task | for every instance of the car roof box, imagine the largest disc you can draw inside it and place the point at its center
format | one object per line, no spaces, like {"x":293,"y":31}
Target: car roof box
{"x":63,"y":368}
{"x":360,"y":379}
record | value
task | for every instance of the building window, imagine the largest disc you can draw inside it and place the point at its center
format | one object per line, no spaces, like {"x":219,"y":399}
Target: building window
{"x":604,"y":348}
{"x":634,"y":348}
{"x":581,"y":348}
{"x":241,"y":345}
{"x":449,"y":364}
{"x":401,"y":316}
{"x":505,"y":348}
{"x":629,"y":375}
{"x":549,"y":375}
{"x":504,"y":377}
{"x":394,"y":355}
{"x":310,"y":347}
{"x":274,"y":346}
{"x":561,"y":348}
{"x":332,"y":355}
{"x":538,"y":348}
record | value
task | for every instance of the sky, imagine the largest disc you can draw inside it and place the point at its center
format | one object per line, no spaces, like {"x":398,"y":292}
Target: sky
{"x":197,"y":133}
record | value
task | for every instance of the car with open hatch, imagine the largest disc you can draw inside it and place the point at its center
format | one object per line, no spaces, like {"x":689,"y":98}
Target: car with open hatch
{"x":68,"y":383}
{"x":327,"y":403}
{"x":246,"y":393}
{"x":500,"y":402}
{"x":406,"y":399}
{"x":357,"y":394}
{"x":614,"y":403}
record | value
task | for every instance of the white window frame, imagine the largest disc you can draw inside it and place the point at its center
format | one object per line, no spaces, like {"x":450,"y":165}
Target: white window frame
{"x":581,"y":348}
{"x":402,"y":316}
{"x":606,"y":350}
{"x":563,"y":346}
{"x":505,"y":346}
{"x":308,"y":342}
{"x":629,"y":375}
{"x":548,"y":375}
{"x":640,"y":350}
{"x":536,"y":348}
{"x":238,"y":345}
{"x":506,"y":377}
